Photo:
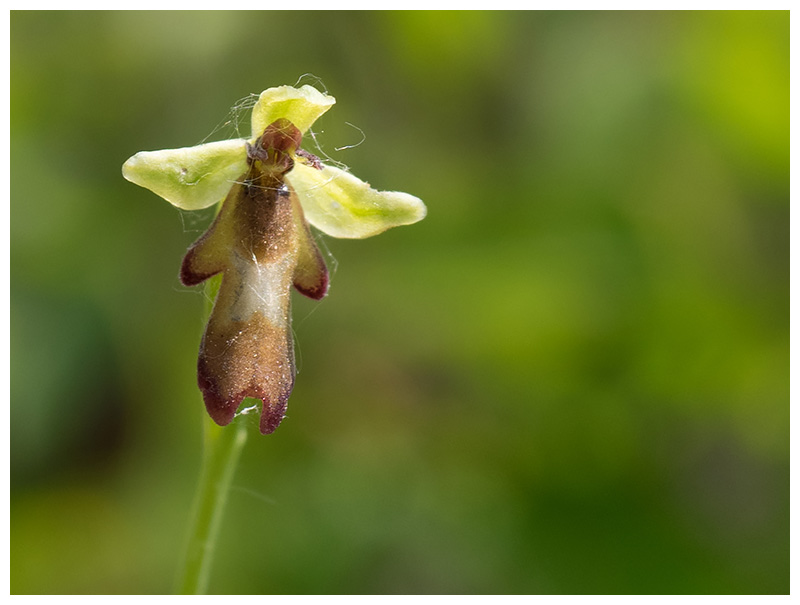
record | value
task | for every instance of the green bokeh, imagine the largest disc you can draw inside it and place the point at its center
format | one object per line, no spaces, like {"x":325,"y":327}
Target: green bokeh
{"x":572,"y":377}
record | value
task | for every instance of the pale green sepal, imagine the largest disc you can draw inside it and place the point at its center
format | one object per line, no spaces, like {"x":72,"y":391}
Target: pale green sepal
{"x":301,"y":106}
{"x":190,"y":178}
{"x":339,"y":204}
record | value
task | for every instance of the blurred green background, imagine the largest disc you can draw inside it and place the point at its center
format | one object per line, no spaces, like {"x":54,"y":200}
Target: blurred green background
{"x":571,"y":377}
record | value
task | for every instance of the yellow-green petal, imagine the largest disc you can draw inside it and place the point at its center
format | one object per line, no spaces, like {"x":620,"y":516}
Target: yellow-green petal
{"x":339,"y":204}
{"x":190,"y":178}
{"x":301,"y":106}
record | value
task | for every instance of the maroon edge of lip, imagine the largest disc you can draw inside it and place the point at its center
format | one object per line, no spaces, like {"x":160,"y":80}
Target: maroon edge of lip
{"x":319,"y":290}
{"x":189,"y":277}
{"x":223,"y":409}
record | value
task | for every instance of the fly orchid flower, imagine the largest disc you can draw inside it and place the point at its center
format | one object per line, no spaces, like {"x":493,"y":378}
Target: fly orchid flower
{"x":261,"y":242}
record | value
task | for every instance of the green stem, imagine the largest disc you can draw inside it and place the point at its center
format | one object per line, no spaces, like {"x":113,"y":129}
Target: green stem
{"x":221,"y":449}
{"x":222,"y":446}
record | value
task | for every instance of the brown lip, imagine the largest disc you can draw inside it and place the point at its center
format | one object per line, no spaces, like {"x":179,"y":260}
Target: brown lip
{"x":260,"y":239}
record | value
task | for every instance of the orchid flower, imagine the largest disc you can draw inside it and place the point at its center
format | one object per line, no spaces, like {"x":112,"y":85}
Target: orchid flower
{"x":261,"y":241}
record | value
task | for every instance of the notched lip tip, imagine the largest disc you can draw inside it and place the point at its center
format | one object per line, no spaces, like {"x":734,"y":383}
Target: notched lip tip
{"x":272,"y":415}
{"x":269,"y":429}
{"x":223,"y":411}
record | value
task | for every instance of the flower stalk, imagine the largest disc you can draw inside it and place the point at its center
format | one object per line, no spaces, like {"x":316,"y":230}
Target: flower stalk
{"x":221,"y":449}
